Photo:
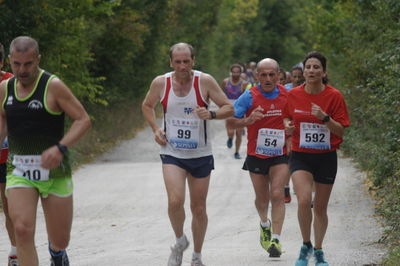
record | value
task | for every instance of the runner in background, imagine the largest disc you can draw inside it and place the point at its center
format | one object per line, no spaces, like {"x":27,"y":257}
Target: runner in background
{"x":233,"y":86}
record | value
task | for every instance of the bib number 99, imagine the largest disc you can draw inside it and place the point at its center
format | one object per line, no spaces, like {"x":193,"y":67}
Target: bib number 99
{"x":184,"y":134}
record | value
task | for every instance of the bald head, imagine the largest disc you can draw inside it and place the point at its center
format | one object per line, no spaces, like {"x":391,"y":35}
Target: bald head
{"x":268,"y":63}
{"x":22,"y":44}
{"x":182,"y":46}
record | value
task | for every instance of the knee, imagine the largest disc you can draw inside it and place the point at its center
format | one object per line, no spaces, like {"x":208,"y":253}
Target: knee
{"x":23,"y":230}
{"x":175,"y":204}
{"x":261,"y":202}
{"x":277,"y":195}
{"x":198,"y":209}
{"x":319,"y":211}
{"x":304,"y":202}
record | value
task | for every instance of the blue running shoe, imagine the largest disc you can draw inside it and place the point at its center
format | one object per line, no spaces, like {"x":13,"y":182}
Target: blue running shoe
{"x":229,"y":143}
{"x":60,"y":260}
{"x":237,"y":155}
{"x":305,"y":254}
{"x":319,"y":258}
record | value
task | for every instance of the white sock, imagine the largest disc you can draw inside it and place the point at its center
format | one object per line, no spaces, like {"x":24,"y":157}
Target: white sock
{"x":196,"y":255}
{"x":266,"y":224}
{"x":276,"y":237}
{"x":13,"y":251}
{"x":181,"y":240}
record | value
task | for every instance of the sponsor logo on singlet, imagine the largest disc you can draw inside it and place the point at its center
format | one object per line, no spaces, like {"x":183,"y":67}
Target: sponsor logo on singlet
{"x":301,"y":112}
{"x":35,"y":104}
{"x":188,"y":110}
{"x":9,"y":100}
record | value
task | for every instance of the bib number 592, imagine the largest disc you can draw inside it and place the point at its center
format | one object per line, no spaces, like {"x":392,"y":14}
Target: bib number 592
{"x":314,"y":137}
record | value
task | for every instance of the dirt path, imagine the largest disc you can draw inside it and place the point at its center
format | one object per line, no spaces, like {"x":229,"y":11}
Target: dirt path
{"x":120,"y":214}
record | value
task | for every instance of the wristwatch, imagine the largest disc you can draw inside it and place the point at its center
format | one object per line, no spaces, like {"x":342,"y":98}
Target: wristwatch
{"x":63,"y":149}
{"x":326,"y":119}
{"x":213,"y":114}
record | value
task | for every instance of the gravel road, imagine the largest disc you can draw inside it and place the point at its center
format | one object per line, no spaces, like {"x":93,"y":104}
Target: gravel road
{"x":121,"y":214}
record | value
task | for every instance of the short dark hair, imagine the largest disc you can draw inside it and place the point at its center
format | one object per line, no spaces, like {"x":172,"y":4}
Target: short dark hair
{"x":281,"y":70}
{"x":23,"y":44}
{"x":297,"y":68}
{"x":176,"y":45}
{"x":238,"y":66}
{"x":321,"y":59}
{"x":1,"y":53}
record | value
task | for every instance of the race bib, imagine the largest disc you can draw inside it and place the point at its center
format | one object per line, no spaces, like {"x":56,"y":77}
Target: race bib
{"x":183,"y":134}
{"x":270,"y":142}
{"x":315,"y":136}
{"x":28,"y":166}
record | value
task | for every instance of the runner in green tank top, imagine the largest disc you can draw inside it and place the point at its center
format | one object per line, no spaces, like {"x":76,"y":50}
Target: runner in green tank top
{"x":32,"y":116}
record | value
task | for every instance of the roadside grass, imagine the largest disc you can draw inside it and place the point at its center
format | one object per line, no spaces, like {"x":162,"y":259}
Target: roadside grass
{"x":110,"y":125}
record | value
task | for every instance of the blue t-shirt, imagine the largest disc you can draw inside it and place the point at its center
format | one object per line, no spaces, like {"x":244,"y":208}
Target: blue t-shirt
{"x":289,"y":86}
{"x":245,"y":101}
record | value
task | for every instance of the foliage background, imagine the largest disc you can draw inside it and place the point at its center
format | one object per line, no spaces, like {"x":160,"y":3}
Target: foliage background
{"x":108,"y":51}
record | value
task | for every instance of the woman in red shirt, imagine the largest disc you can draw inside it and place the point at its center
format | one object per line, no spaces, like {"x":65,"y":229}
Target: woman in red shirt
{"x":316,"y":116}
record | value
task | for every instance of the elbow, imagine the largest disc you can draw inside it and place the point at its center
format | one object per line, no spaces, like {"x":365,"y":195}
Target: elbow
{"x":87,"y":122}
{"x":231,"y":110}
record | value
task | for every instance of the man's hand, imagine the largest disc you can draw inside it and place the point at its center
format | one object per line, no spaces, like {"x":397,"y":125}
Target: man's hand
{"x":317,"y":111}
{"x":51,"y":158}
{"x":255,"y":115}
{"x":289,"y":126}
{"x":202,"y":113}
{"x":159,"y":137}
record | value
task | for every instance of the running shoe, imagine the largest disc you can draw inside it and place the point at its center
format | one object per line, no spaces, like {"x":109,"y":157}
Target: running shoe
{"x":265,"y":237}
{"x":197,"y":262}
{"x":319,"y":258}
{"x":275,"y":248}
{"x":61,"y":260}
{"x":305,"y":254}
{"x":229,"y":143}
{"x":175,"y":259}
{"x":12,"y":261}
{"x":237,"y":155}
{"x":288,"y":198}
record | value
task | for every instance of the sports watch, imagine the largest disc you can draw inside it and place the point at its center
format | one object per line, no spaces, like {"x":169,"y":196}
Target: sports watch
{"x":63,"y":149}
{"x":326,"y":119}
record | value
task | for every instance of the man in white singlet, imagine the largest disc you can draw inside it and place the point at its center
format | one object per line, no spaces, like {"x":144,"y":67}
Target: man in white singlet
{"x":185,"y":142}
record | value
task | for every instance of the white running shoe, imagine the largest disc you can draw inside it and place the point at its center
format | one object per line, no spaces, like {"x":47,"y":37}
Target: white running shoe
{"x":175,"y":259}
{"x":12,"y":261}
{"x":197,"y":262}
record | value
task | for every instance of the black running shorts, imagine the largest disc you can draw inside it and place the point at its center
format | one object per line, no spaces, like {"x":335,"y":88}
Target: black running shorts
{"x":323,"y":166}
{"x":257,"y":165}
{"x":197,"y":167}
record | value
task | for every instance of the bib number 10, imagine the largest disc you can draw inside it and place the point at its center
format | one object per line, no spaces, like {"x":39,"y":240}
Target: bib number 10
{"x":184,"y":134}
{"x":32,"y":175}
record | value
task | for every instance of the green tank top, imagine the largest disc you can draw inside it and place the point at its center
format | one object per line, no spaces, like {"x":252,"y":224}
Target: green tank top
{"x":31,"y":126}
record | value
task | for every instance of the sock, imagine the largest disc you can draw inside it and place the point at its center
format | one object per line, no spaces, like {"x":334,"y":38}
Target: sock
{"x":181,"y":240}
{"x":275,"y":236}
{"x":308,"y":244}
{"x":266,"y":224}
{"x":196,"y":255}
{"x":13,"y":251}
{"x":56,"y":253}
